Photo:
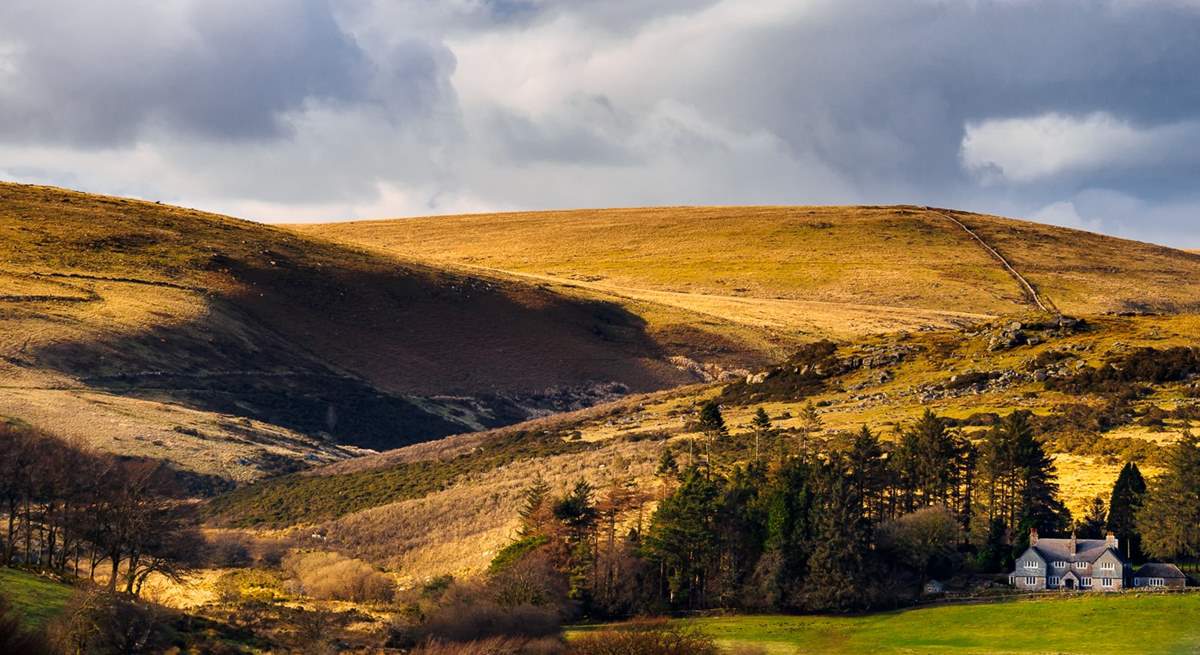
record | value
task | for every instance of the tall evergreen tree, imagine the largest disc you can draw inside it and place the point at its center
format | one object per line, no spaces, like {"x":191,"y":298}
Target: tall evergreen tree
{"x":1040,"y":505}
{"x":683,"y":539}
{"x":1092,"y":526}
{"x":1128,"y":494}
{"x":762,"y":427}
{"x":712,"y":424}
{"x":1169,"y":520}
{"x":534,"y":507}
{"x":867,"y":472}
{"x":838,"y":548}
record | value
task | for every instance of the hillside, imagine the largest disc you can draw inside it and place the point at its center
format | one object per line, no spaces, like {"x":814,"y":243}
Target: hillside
{"x":235,"y":348}
{"x":448,"y":506}
{"x":812,"y":271}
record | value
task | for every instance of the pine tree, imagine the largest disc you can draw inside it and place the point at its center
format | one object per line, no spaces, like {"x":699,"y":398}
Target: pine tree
{"x":1094,"y":521}
{"x":667,"y":466}
{"x":1128,"y":494}
{"x":533,"y":508}
{"x":839,"y":547}
{"x":866,"y":463}
{"x":683,"y":539}
{"x":762,"y":426}
{"x":1169,"y":520}
{"x":712,"y":424}
{"x":1040,"y":505}
{"x":811,"y":425}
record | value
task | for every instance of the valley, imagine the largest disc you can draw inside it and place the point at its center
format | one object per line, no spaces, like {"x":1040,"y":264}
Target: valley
{"x":378,"y":398}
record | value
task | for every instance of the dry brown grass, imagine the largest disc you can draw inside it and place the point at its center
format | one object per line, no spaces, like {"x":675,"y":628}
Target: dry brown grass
{"x":836,"y":271}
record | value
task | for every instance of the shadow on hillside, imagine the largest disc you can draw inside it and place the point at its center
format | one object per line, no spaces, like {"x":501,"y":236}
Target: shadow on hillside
{"x":337,"y":350}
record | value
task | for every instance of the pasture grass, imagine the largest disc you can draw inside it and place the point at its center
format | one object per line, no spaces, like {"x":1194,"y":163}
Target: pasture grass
{"x":1146,"y":623}
{"x":38,"y":599}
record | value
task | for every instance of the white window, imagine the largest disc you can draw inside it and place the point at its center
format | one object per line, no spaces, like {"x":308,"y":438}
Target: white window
{"x":1106,"y":566}
{"x":1106,"y":582}
{"x":1081,"y":565}
{"x":1030,"y":580}
{"x":1059,"y":564}
{"x":1158,"y":582}
{"x":1033,"y":564}
{"x":1054,"y":581}
{"x":1085,"y":582}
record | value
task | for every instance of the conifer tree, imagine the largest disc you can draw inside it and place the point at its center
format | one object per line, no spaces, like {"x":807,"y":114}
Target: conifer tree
{"x":712,"y":424}
{"x":1128,"y":494}
{"x":762,"y":426}
{"x":1094,"y":520}
{"x":838,"y":548}
{"x":534,"y":501}
{"x":683,"y":539}
{"x":1169,"y":520}
{"x":867,"y":471}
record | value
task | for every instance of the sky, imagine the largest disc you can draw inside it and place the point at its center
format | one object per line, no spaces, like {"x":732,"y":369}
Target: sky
{"x":1084,"y":113}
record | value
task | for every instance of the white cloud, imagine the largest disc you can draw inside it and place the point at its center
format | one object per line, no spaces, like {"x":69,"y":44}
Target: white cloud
{"x":1028,"y":149}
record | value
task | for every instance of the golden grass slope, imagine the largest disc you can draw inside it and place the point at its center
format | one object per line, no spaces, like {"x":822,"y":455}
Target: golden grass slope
{"x":886,"y":266}
{"x":122,"y":300}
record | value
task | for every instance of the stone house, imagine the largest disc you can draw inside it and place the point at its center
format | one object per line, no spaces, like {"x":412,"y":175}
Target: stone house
{"x":1156,"y":575}
{"x":1084,"y":564}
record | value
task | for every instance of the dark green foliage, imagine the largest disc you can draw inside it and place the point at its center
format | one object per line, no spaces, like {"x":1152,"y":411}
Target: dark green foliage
{"x":838,"y":548}
{"x":1019,"y":480}
{"x":301,"y":498}
{"x":1128,"y":494}
{"x":667,"y":466}
{"x":514,"y":551}
{"x":868,"y":471}
{"x":683,"y":538}
{"x":1094,"y":521}
{"x":712,"y":423}
{"x":994,"y":555}
{"x":1169,"y":520}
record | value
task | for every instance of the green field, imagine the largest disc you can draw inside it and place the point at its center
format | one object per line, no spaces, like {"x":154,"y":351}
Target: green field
{"x":1135,"y":623}
{"x":38,"y":599}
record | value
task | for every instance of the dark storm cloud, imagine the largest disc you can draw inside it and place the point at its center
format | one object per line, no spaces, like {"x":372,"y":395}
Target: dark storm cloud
{"x":1082,"y":112}
{"x":99,"y":73}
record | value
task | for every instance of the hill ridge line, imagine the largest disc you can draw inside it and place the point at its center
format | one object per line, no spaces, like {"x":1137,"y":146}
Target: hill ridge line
{"x":1029,"y":289}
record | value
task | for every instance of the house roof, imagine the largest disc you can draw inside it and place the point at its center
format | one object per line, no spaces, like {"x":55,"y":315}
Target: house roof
{"x":1159,"y":570}
{"x":1086,"y":550}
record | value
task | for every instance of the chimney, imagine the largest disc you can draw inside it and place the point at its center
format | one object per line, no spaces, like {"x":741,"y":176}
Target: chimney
{"x":1110,"y":540}
{"x":1032,"y":536}
{"x":1074,"y":543}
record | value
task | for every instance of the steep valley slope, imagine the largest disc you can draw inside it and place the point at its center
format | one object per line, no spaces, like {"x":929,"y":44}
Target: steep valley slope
{"x":236,"y":349}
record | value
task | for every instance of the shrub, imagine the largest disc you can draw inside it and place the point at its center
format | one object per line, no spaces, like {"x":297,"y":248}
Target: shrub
{"x":493,"y":646}
{"x":463,"y":620}
{"x":644,"y":640}
{"x":100,"y":621}
{"x":332,"y":576}
{"x":229,"y":550}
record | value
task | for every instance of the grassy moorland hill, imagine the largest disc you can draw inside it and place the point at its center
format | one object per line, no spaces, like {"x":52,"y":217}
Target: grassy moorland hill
{"x":828,"y":271}
{"x":236,"y":348}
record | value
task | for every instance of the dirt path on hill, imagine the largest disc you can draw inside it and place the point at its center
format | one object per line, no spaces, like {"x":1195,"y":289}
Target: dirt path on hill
{"x":1028,"y":289}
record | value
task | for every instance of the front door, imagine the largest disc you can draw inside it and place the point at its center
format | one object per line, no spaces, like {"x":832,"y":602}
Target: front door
{"x":1069,"y":583}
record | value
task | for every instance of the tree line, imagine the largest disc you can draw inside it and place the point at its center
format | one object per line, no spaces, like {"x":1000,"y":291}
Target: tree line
{"x":766,"y":520}
{"x":70,"y":510}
